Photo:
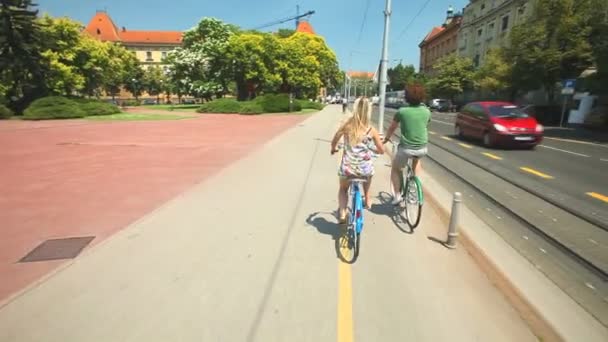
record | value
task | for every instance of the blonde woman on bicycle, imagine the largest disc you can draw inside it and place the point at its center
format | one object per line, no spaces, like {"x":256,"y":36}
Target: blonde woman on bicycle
{"x":361,"y":141}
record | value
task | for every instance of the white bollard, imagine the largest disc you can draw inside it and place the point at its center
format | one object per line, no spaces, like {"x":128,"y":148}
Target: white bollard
{"x":452,"y":230}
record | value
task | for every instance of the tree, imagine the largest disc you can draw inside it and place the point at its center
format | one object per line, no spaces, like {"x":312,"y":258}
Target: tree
{"x":494,"y":75}
{"x":20,"y":60}
{"x":285,"y":33}
{"x":134,"y":81}
{"x":121,"y":64}
{"x":255,"y":62}
{"x":400,"y":76}
{"x":552,"y":46}
{"x":153,"y":81}
{"x":453,"y":74}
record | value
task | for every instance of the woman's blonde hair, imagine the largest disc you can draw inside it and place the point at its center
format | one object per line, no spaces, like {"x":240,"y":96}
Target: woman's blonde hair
{"x":355,"y":128}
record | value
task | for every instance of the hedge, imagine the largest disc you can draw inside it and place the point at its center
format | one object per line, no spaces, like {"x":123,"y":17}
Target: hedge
{"x":311,"y":105}
{"x":94,"y":107}
{"x":5,"y":113}
{"x":53,"y":107}
{"x":277,"y":103}
{"x":221,"y":106}
{"x":272,"y":103}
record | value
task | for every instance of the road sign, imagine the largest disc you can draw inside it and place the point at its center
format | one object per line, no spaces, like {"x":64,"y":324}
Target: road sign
{"x":568,"y":86}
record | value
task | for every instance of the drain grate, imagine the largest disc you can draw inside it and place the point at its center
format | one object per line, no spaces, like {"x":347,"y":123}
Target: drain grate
{"x":57,"y":249}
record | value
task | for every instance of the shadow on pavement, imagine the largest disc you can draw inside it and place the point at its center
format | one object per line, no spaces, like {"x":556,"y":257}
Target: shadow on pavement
{"x":337,"y":232}
{"x":325,"y":226}
{"x":395,"y":213}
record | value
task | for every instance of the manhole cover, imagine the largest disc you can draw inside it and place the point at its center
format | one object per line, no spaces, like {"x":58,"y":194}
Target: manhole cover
{"x":57,"y":249}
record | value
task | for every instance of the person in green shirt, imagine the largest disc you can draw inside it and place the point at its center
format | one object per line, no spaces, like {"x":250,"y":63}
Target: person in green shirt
{"x":413,"y":121}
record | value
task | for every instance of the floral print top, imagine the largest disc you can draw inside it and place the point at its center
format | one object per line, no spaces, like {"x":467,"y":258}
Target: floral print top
{"x":357,"y":160}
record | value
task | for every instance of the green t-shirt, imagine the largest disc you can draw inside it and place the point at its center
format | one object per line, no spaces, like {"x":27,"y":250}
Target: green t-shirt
{"x":413,"y":121}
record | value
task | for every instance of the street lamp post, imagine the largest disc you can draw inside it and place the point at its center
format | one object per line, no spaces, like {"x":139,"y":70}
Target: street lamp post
{"x":383,"y":65}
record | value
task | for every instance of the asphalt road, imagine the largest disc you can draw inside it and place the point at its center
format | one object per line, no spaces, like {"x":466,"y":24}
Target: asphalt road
{"x":549,"y":203}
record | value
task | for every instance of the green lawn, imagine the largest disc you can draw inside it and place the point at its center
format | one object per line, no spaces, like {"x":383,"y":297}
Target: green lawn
{"x":138,"y":117}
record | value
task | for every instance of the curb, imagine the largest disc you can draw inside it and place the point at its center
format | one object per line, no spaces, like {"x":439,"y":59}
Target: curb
{"x":549,"y":312}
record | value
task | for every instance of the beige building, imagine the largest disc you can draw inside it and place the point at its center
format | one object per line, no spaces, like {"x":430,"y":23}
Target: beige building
{"x":440,"y":42}
{"x":150,"y":47}
{"x":486,"y":24}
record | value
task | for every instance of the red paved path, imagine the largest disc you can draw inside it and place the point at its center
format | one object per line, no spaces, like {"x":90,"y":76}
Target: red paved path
{"x":80,"y":178}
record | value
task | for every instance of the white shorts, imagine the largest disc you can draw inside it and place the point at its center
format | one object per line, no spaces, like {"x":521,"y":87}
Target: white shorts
{"x":404,"y":153}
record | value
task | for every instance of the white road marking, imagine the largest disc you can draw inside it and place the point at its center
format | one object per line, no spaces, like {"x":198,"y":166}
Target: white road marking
{"x":592,"y":241}
{"x":542,"y":250}
{"x":443,"y":122}
{"x":498,"y":217}
{"x":577,"y":141}
{"x":525,"y":237}
{"x":590,"y":286}
{"x":565,"y":151}
{"x":606,"y":160}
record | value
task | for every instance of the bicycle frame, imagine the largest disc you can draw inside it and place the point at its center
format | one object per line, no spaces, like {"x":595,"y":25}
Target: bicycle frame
{"x":357,"y":214}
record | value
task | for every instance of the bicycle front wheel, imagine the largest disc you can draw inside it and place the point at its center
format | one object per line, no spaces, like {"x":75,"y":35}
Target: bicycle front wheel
{"x":413,"y":201}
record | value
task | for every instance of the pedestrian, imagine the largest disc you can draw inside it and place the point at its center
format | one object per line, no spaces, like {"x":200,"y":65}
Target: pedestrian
{"x":413,"y":121}
{"x":361,"y":140}
{"x":344,"y":105}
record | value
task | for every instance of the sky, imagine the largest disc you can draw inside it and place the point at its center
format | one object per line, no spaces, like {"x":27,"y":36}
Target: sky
{"x":352,"y":28}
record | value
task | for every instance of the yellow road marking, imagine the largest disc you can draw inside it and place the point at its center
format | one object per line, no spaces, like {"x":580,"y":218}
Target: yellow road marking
{"x":598,"y":196}
{"x":536,"y":173}
{"x":493,"y":156}
{"x":446,"y":138}
{"x":345,"y":303}
{"x":465,"y":145}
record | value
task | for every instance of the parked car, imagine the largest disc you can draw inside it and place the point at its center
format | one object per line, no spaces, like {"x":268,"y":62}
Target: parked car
{"x":148,"y":102}
{"x":498,"y":123}
{"x":441,"y":105}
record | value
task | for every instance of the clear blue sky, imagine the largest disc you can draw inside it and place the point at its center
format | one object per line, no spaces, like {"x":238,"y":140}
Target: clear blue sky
{"x":339,"y":21}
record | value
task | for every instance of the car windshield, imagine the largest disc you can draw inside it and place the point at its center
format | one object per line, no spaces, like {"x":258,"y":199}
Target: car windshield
{"x":507,"y":112}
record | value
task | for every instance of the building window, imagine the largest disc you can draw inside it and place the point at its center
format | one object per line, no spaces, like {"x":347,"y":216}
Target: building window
{"x":164,"y":54}
{"x":149,"y":56}
{"x":476,"y":60}
{"x":483,"y":6}
{"x":479,"y":32}
{"x":505,"y":23}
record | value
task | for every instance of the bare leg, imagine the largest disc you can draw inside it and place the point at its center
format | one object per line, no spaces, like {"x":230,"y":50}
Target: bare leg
{"x":366,"y":186}
{"x":396,"y":180}
{"x":342,"y":199}
{"x":416,"y":165}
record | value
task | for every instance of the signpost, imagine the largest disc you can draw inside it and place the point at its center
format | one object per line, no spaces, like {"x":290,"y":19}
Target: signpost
{"x":567,"y":90}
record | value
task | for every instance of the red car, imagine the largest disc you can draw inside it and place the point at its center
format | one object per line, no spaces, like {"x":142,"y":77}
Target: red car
{"x":498,"y":123}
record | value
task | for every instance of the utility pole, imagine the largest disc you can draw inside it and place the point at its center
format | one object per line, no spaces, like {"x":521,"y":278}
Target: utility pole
{"x":297,"y":16}
{"x":383,"y":66}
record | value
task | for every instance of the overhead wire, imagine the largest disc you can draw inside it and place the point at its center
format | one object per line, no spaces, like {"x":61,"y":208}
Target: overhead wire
{"x":414,"y":19}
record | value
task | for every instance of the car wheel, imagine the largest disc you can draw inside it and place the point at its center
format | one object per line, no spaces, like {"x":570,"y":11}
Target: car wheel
{"x":458,"y":131}
{"x":487,"y":140}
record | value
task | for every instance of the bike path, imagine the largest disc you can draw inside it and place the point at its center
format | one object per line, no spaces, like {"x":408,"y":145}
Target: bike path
{"x":249,"y":255}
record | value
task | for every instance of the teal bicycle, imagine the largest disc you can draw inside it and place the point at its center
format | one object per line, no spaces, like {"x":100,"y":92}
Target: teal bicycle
{"x":412,"y":197}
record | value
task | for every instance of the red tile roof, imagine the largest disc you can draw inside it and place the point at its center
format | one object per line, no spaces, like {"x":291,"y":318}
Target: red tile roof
{"x":434,"y":32}
{"x":305,"y":27}
{"x":168,"y":37}
{"x":102,"y":27}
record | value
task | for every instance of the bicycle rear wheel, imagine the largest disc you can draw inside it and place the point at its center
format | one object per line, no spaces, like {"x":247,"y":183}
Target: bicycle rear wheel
{"x":413,"y":201}
{"x":348,"y":241}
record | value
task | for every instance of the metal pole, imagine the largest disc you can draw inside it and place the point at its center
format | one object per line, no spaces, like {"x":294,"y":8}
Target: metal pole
{"x":452,"y":233}
{"x":355,"y":88}
{"x":345,"y":79}
{"x":561,"y":120}
{"x":383,"y":65}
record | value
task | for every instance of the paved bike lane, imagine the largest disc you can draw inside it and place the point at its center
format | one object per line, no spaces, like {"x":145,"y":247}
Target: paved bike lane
{"x":250,"y":255}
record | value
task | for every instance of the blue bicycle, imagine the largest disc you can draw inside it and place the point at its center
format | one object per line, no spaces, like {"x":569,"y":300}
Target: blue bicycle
{"x":350,"y":241}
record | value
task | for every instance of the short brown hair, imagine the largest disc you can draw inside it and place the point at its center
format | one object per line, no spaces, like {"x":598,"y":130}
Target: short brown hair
{"x":415,"y":94}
